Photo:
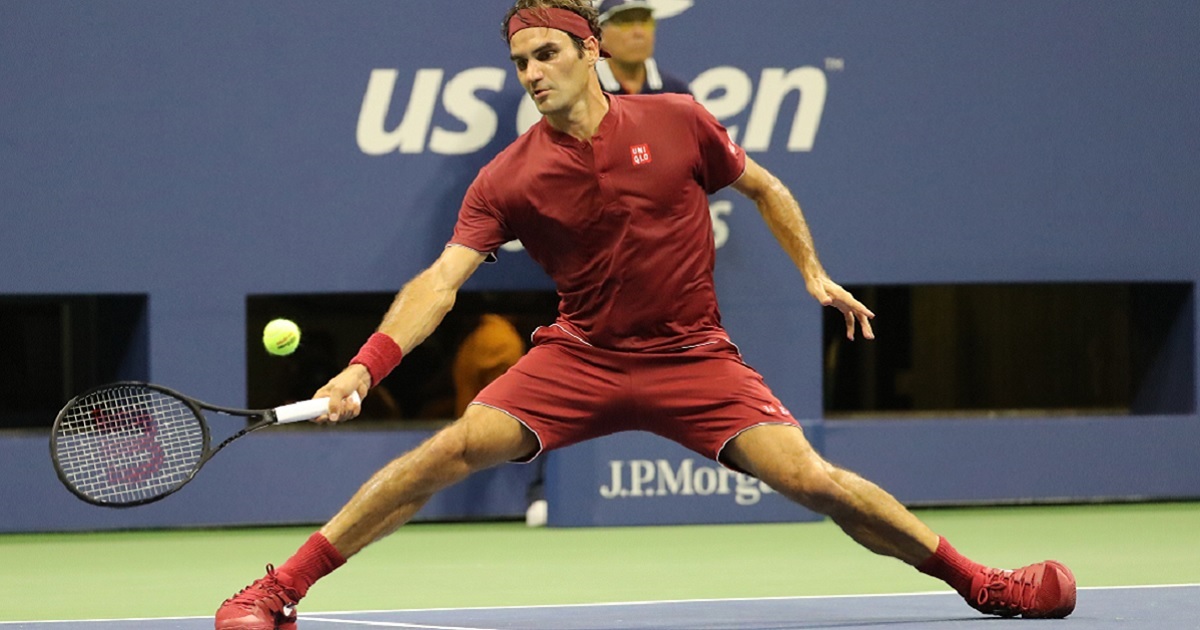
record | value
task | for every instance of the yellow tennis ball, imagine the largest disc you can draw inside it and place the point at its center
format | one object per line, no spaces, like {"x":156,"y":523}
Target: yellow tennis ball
{"x":281,"y":337}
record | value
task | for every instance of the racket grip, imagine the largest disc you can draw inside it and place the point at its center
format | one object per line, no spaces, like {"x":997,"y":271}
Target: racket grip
{"x":307,"y":409}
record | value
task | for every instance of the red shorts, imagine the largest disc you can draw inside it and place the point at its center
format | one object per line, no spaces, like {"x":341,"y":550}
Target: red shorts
{"x":566,"y":391}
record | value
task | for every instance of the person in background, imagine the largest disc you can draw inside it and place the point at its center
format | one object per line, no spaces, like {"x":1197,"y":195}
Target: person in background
{"x":492,"y":347}
{"x":627,"y":33}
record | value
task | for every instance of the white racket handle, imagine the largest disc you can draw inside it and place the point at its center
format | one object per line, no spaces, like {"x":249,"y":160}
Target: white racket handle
{"x":307,"y":409}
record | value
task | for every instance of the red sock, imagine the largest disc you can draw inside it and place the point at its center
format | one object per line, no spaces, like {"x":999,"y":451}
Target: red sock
{"x":951,"y":567}
{"x":315,"y":559}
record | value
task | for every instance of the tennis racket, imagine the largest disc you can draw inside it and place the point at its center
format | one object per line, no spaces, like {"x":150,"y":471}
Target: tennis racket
{"x":132,"y":443}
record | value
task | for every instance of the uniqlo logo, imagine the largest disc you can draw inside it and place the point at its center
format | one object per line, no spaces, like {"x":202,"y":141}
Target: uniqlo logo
{"x":640,"y":153}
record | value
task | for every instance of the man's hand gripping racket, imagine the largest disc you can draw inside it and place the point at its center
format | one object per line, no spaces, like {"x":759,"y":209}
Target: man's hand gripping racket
{"x":132,"y":443}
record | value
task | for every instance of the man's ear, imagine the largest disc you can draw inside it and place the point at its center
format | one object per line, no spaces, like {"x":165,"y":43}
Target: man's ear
{"x":591,"y":48}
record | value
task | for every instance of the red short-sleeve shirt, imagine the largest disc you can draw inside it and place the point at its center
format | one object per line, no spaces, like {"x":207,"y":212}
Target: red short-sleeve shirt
{"x":621,"y":223}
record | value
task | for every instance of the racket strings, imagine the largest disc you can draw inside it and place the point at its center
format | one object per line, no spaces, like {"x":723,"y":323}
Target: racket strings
{"x":128,"y":444}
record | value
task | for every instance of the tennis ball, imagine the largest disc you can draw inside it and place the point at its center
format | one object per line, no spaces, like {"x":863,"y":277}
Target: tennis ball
{"x":281,"y":337}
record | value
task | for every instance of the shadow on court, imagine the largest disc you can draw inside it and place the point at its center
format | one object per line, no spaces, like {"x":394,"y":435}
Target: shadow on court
{"x":1158,"y":607}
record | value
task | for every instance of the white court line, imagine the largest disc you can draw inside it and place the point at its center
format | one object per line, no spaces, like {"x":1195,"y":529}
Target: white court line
{"x":730,"y":599}
{"x":588,"y":605}
{"x":390,"y":624}
{"x":5,"y":623}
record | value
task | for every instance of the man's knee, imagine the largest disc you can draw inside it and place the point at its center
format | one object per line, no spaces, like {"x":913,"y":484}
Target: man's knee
{"x":813,"y":483}
{"x":482,"y":438}
{"x":434,"y":464}
{"x":447,"y":447}
{"x":780,"y":456}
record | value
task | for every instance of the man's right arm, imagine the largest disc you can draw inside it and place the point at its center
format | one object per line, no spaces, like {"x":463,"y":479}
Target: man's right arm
{"x":782,"y":215}
{"x":420,"y":306}
{"x":414,"y":314}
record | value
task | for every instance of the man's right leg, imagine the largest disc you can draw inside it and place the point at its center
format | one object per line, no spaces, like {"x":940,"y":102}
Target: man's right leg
{"x":482,"y":438}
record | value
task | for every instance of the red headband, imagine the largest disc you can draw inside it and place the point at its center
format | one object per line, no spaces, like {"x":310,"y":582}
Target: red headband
{"x":552,"y":17}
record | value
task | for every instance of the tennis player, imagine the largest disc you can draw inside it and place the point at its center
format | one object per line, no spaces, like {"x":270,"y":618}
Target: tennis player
{"x":609,"y":195}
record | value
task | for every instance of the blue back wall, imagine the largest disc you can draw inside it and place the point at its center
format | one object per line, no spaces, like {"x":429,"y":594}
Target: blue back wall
{"x":201,"y":152}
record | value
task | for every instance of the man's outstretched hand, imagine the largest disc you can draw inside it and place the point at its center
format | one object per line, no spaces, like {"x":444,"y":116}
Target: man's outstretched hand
{"x":830,"y":293}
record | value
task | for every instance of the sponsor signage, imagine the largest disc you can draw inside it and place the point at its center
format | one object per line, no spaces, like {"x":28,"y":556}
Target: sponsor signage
{"x":726,"y":91}
{"x":638,"y":478}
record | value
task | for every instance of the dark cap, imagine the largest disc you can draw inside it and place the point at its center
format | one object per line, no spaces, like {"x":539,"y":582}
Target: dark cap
{"x":609,"y":8}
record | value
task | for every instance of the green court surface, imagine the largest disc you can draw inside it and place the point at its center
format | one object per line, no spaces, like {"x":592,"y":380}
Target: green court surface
{"x":183,"y":573}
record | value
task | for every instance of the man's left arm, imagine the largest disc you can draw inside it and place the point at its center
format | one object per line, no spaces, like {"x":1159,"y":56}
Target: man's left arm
{"x":782,"y":215}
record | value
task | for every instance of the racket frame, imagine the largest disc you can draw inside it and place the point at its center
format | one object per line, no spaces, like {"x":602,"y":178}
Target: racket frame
{"x":264,"y":417}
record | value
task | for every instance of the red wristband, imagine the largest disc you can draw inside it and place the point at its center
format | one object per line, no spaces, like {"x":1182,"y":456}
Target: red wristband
{"x":380,"y":355}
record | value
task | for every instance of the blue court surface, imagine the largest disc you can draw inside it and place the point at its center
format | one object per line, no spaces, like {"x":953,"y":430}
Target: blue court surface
{"x":1159,"y":607}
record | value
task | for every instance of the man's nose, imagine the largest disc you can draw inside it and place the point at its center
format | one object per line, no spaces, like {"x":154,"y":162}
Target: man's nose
{"x":534,"y":71}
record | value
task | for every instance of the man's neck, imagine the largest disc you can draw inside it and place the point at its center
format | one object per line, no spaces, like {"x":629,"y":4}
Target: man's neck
{"x":583,"y":119}
{"x":631,"y":76}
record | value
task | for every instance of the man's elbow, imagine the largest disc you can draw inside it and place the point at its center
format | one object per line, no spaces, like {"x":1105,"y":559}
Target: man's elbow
{"x":757,"y":183}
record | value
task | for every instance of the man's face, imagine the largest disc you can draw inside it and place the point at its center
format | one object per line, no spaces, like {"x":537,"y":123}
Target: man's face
{"x":551,"y":69}
{"x":629,"y":36}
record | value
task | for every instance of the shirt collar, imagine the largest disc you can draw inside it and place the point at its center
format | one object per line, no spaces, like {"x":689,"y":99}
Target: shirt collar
{"x":606,"y":125}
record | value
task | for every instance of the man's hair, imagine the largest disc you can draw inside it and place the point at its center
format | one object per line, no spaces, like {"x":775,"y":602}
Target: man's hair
{"x":582,"y":8}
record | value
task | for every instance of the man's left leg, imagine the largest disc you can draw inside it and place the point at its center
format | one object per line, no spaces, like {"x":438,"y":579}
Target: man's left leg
{"x":779,"y":455}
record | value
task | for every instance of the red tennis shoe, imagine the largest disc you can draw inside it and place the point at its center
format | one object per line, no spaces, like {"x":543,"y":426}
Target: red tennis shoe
{"x":267,"y":604}
{"x":1042,"y":590}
